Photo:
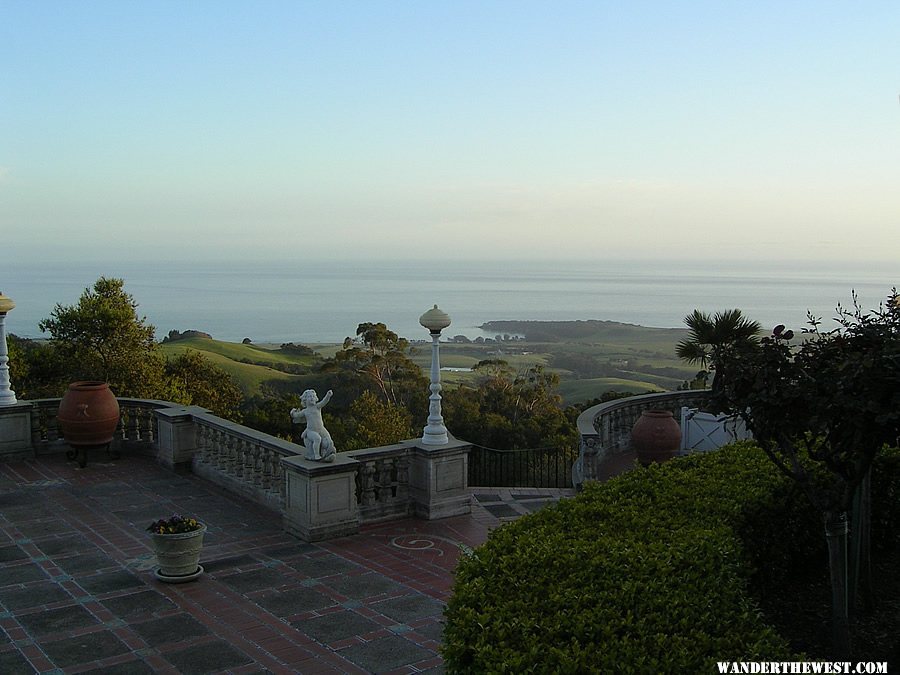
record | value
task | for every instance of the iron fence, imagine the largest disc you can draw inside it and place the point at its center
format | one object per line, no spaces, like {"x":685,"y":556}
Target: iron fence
{"x":534,"y":467}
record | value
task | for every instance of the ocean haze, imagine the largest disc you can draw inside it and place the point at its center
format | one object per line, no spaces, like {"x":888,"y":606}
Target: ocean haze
{"x":281,"y":301}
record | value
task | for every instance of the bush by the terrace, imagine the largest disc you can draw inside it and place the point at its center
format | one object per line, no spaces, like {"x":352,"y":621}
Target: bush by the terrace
{"x":886,"y":500}
{"x":650,"y":572}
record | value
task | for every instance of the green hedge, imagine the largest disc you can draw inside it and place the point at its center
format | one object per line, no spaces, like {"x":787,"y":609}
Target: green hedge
{"x":655,"y":571}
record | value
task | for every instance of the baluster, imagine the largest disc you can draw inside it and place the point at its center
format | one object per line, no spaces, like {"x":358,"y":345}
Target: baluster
{"x":145,"y":420}
{"x":240,"y":452}
{"x":402,"y":478}
{"x":277,"y":476}
{"x":120,"y":434}
{"x":52,"y":426}
{"x":152,"y":426}
{"x":36,"y":426}
{"x":256,"y":465}
{"x":368,"y":483}
{"x":247,"y":466}
{"x":222,"y":447}
{"x":132,"y":433}
{"x":268,"y":456}
{"x":386,"y":492}
{"x":231,"y":453}
{"x":202,"y":456}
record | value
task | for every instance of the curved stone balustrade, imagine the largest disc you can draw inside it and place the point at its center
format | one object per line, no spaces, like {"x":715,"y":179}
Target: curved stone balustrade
{"x":605,"y":429}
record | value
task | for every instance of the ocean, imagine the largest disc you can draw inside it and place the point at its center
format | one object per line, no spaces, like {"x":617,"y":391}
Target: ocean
{"x":315,"y":302}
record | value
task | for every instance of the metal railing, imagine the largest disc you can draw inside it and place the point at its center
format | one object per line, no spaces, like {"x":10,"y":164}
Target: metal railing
{"x":535,"y":467}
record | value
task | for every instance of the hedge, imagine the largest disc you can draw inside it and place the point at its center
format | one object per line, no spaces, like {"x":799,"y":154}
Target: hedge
{"x":658,"y":570}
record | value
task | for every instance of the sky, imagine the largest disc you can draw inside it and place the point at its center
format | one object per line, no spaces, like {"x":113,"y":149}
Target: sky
{"x":430,"y":129}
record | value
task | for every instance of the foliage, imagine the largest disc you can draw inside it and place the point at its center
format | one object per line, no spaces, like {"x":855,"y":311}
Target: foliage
{"x":300,"y":350}
{"x":509,"y":411}
{"x":372,"y":422}
{"x":175,"y":335}
{"x":377,"y":359}
{"x":35,"y":370}
{"x":648,"y":572}
{"x":713,"y":340}
{"x":886,"y":499}
{"x":270,"y":413}
{"x":834,"y":399}
{"x":194,"y":380}
{"x":175,"y":525}
{"x":102,"y":338}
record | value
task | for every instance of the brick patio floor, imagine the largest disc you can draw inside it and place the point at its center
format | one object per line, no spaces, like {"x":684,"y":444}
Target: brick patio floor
{"x":78,"y":593}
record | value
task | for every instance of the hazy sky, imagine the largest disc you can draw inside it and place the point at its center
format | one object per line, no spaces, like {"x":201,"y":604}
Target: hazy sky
{"x":452,"y":129}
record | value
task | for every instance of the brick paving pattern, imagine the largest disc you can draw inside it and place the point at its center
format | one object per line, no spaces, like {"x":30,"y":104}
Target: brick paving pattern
{"x":78,"y":593}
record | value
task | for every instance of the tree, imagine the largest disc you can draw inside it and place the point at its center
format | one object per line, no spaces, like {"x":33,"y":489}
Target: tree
{"x":192,"y":379}
{"x":509,"y":410}
{"x":821,"y":411}
{"x":714,"y":339}
{"x":377,"y":360}
{"x":102,"y":338}
{"x":375,"y":422}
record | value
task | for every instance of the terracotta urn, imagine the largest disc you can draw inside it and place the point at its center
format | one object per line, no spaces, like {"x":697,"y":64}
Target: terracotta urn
{"x":88,"y":414}
{"x":656,"y":436}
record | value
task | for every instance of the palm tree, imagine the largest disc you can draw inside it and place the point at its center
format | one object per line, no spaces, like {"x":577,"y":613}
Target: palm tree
{"x":713,"y":339}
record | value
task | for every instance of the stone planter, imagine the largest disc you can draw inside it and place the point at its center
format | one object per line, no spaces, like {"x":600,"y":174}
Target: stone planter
{"x":655,"y":437}
{"x":178,"y":555}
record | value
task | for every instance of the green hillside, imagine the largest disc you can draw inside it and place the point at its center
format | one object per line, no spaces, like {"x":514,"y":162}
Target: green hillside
{"x":232,"y":358}
{"x":590,"y":357}
{"x":577,"y":391}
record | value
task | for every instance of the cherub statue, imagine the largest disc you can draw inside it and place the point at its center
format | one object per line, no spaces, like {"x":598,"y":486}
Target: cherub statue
{"x":316,"y":439}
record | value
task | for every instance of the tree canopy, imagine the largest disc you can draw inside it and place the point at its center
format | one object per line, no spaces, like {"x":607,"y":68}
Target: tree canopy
{"x":102,"y":338}
{"x":714,"y":339}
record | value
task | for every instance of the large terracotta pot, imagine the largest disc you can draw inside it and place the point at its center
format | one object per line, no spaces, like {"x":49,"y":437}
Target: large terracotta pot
{"x":88,"y":414}
{"x":178,"y":555}
{"x":656,"y":436}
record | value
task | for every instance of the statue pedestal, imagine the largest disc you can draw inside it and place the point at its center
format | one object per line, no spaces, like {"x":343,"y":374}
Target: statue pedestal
{"x":439,"y":479}
{"x":320,"y":498}
{"x":15,"y":430}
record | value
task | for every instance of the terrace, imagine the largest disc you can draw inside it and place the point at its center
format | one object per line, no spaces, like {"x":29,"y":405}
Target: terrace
{"x":78,"y":593}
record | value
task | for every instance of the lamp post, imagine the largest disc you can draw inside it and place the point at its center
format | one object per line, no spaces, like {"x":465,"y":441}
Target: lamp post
{"x":7,"y":395}
{"x":435,"y":432}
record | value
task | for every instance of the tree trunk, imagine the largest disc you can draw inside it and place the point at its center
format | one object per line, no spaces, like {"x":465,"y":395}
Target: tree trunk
{"x":865,"y":541}
{"x":836,"y":530}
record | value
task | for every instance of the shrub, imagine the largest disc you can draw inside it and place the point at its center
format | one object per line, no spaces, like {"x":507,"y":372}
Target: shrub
{"x":650,"y":572}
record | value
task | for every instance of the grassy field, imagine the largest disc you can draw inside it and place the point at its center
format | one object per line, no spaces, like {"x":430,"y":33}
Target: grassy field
{"x":590,"y":357}
{"x":229,"y":357}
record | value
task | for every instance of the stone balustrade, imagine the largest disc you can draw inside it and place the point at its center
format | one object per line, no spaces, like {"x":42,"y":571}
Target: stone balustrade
{"x":382,"y":482}
{"x":136,"y":432}
{"x":605,"y":429}
{"x":316,"y":499}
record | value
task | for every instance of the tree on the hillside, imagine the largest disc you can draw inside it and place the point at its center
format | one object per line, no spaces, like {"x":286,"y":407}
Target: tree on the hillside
{"x":510,"y":411}
{"x":377,"y":359}
{"x":714,"y":339}
{"x":374,"y":422}
{"x":822,"y":410}
{"x":269,"y":412}
{"x":192,"y":379}
{"x":102,"y":338}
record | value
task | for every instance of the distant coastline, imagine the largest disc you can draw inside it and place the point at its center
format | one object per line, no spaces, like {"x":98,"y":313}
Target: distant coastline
{"x":323,"y":302}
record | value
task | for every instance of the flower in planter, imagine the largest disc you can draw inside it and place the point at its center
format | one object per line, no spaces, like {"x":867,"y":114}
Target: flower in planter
{"x":174,"y":525}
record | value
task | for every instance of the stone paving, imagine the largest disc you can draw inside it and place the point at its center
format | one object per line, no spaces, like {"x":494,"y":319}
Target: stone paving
{"x":78,"y":593}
